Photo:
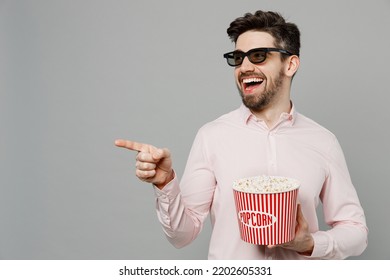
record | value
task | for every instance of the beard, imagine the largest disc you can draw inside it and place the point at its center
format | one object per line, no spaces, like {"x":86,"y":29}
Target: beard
{"x":256,"y":103}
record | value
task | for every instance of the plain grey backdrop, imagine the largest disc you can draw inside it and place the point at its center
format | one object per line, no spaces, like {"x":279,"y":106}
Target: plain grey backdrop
{"x":76,"y":75}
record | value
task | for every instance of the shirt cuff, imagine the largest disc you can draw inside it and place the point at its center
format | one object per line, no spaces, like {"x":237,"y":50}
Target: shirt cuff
{"x":321,"y":244}
{"x":165,"y":198}
{"x":170,"y":191}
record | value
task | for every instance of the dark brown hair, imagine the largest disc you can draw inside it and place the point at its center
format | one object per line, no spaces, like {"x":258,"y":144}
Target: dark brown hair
{"x":286,"y":34}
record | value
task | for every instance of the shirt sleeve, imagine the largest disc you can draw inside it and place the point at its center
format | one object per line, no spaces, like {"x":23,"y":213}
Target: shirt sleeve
{"x":342,"y":212}
{"x":182,"y":208}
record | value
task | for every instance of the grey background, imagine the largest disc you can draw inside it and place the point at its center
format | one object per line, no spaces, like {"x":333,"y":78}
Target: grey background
{"x":76,"y":75}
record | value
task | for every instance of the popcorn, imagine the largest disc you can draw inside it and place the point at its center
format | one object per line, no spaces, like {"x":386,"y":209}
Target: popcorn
{"x":265,"y":184}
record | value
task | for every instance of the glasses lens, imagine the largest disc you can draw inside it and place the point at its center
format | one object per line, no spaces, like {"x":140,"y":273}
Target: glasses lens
{"x":234,"y":58}
{"x":257,"y":56}
{"x":237,"y":58}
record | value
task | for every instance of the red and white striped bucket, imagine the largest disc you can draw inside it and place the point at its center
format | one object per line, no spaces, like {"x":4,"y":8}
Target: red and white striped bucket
{"x":267,"y":218}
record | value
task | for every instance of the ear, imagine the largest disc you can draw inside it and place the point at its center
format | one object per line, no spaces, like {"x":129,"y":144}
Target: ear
{"x":292,"y":65}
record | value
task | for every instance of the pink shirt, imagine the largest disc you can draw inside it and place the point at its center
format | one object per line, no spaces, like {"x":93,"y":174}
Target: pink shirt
{"x":238,"y":145}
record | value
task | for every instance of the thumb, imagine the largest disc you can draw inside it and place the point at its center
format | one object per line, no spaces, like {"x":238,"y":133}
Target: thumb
{"x":160,"y":154}
{"x":301,"y":221}
{"x":299,"y":213}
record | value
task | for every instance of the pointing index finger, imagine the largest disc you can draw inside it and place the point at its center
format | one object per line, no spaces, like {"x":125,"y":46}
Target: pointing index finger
{"x":132,"y":145}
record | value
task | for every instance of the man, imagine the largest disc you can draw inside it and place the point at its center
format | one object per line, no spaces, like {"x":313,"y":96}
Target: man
{"x":265,"y":135}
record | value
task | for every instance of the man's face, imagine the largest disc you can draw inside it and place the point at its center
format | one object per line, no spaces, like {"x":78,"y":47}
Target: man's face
{"x":258,"y":84}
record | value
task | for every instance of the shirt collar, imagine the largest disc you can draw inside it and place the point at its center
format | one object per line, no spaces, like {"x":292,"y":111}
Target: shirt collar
{"x":246,"y":114}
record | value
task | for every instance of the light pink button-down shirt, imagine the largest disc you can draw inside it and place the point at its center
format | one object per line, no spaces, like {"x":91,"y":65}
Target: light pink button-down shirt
{"x":237,"y":145}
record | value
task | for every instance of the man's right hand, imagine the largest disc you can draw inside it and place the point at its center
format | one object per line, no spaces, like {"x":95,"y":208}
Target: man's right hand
{"x":153,"y":165}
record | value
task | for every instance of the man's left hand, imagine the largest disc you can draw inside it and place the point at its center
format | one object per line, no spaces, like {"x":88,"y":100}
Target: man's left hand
{"x":303,"y":241}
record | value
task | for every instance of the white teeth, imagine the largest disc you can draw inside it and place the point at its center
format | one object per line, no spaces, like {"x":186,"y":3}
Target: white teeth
{"x":252,"y":80}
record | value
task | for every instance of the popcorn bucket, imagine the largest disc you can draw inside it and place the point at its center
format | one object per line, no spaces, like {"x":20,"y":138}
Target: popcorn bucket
{"x":266,"y":209}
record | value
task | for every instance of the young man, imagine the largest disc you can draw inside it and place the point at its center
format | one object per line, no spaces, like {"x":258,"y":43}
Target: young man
{"x":265,"y":135}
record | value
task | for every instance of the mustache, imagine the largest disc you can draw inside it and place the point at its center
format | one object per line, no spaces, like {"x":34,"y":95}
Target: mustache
{"x":251,"y":75}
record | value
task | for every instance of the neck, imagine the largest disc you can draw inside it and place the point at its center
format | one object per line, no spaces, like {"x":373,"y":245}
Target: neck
{"x":271,"y":114}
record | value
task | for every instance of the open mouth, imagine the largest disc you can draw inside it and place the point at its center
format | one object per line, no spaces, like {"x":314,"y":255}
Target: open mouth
{"x":249,"y":84}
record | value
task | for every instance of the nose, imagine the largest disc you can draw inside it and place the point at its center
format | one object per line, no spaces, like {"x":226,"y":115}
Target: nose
{"x":247,"y":66}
